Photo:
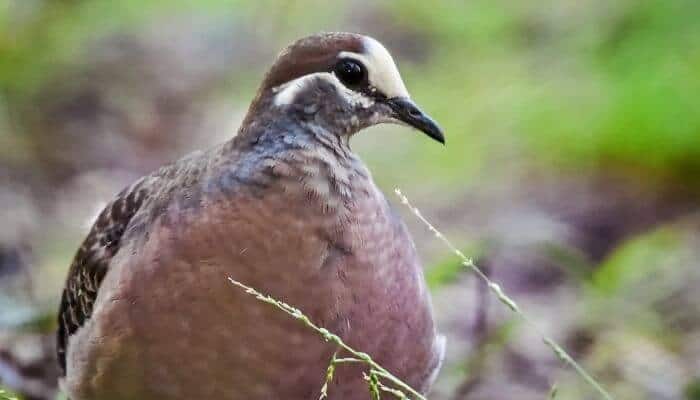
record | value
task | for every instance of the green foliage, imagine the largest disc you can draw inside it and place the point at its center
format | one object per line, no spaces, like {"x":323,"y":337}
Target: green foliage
{"x":4,"y":395}
{"x":692,"y":390}
{"x":592,"y":85}
{"x":444,"y":273}
{"x":448,"y":270}
{"x":639,"y":258}
{"x":38,"y":42}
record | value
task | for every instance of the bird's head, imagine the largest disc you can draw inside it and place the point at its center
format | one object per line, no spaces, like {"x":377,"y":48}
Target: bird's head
{"x":342,"y":81}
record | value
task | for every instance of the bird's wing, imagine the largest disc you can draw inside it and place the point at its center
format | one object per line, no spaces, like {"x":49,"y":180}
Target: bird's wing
{"x":92,"y":261}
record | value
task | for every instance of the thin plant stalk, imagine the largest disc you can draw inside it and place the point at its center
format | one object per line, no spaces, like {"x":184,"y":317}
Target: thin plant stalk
{"x":376,"y":370}
{"x":496,"y":289}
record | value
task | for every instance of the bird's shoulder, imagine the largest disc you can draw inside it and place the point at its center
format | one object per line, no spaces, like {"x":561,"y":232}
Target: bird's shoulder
{"x":91,"y":262}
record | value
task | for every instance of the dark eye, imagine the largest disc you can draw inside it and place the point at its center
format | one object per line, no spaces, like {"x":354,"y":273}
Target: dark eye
{"x":350,"y":72}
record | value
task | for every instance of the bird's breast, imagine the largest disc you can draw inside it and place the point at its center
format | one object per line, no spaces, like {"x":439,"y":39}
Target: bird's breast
{"x":172,"y":325}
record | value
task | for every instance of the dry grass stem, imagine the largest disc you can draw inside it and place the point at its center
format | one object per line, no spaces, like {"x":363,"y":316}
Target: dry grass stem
{"x":508,"y":302}
{"x":376,"y":374}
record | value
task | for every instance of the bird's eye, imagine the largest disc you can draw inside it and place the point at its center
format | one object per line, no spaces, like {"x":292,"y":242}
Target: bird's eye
{"x":350,"y":72}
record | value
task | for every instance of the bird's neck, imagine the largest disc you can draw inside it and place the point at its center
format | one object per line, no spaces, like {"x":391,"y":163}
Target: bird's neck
{"x":306,"y":156}
{"x":315,"y":113}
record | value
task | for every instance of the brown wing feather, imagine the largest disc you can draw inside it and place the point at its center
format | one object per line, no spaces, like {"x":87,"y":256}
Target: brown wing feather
{"x":93,"y":258}
{"x":91,"y":263}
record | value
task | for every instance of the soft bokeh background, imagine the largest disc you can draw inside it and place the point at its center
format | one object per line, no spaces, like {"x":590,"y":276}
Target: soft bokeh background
{"x":571,"y":172}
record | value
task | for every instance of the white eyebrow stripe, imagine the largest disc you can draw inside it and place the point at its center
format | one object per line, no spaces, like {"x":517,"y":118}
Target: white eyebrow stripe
{"x":286,"y":93}
{"x":381,"y":68}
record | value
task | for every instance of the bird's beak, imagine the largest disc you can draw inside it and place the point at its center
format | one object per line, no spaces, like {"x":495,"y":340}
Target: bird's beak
{"x":405,"y":110}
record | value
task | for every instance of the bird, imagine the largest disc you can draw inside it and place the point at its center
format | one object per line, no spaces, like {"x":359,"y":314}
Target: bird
{"x":284,"y":206}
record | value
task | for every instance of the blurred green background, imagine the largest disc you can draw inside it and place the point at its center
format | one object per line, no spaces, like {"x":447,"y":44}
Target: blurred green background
{"x":571,"y":171}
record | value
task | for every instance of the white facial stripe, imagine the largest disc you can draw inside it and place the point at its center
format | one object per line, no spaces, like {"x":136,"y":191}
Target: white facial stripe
{"x":286,"y":94}
{"x":381,"y":69}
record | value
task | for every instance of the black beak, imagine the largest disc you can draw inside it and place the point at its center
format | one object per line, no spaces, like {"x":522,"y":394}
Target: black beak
{"x":407,"y":111}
